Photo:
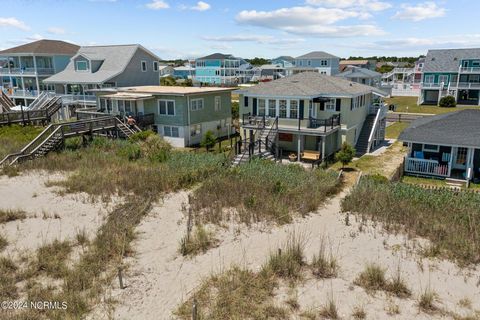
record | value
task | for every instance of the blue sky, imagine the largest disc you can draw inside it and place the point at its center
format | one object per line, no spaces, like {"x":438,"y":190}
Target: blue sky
{"x":247,"y":28}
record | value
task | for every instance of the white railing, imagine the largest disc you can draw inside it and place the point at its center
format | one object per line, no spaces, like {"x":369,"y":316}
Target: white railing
{"x":78,"y":98}
{"x":427,"y":167}
{"x":470,"y":70}
{"x":431,"y":85}
{"x":21,"y":93}
{"x":26,"y":71}
{"x":465,"y":85}
{"x":381,"y":113}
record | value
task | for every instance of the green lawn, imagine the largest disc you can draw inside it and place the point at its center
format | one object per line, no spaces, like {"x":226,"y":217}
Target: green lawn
{"x":409,"y":104}
{"x":424,"y":181}
{"x":394,"y":130}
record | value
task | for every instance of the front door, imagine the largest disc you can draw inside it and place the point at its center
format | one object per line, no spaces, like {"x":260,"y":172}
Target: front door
{"x":459,"y":160}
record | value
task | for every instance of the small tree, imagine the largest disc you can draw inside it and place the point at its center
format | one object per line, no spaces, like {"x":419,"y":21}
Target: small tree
{"x":448,"y":102}
{"x":208,"y":140}
{"x":235,"y":110}
{"x":345,"y":155}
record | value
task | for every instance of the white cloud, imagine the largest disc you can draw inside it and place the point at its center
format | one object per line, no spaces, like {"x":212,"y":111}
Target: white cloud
{"x":310,"y":21}
{"x":56,"y":30}
{"x":13,"y":22}
{"x":373,"y":5}
{"x":421,"y":11}
{"x":201,"y":6}
{"x":254,"y":38}
{"x":158,"y":5}
{"x":450,"y":41}
{"x":35,"y":37}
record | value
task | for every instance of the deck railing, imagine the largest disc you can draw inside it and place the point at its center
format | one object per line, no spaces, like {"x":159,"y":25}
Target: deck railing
{"x":426,"y":167}
{"x":470,"y":70}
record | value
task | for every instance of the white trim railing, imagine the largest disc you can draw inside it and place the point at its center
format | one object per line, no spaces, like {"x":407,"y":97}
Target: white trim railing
{"x":470,"y":70}
{"x":466,"y":85}
{"x":27,"y":71}
{"x":381,"y":113}
{"x":426,"y":167}
{"x":432,"y":85}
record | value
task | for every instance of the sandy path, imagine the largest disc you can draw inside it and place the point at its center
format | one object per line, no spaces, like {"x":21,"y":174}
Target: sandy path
{"x":160,"y":279}
{"x":49,"y":216}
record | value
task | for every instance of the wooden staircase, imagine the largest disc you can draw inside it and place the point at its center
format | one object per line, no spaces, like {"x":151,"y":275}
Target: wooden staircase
{"x":53,"y":137}
{"x":262,"y":147}
{"x":49,"y":108}
{"x":6,"y":104}
{"x":361,"y":147}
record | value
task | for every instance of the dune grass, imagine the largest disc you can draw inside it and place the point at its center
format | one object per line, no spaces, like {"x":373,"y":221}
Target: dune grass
{"x":8,"y":288}
{"x":287,"y":262}
{"x":234,"y":294}
{"x":11,"y":215}
{"x":13,"y":138}
{"x":51,"y":259}
{"x":263,"y":191}
{"x":3,"y":242}
{"x":199,"y":242}
{"x":450,"y":220}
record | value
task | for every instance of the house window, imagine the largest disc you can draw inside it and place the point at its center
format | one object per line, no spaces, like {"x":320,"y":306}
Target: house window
{"x":128,"y":108}
{"x":144,"y":66}
{"x":330,"y":105}
{"x":461,"y":156}
{"x":195,"y":130}
{"x":309,"y":63}
{"x":109,"y":105}
{"x":166,"y":107}
{"x":429,"y":78}
{"x":443,"y":78}
{"x":121,"y":106}
{"x":431,"y":147}
{"x":169,"y":131}
{"x":324,"y":63}
{"x":272,"y":108}
{"x":196,"y":104}
{"x":82,"y":65}
{"x":102,"y":104}
{"x":475,"y":63}
{"x":294,"y":109}
{"x":261,"y":107}
{"x":218,"y":103}
{"x":282,"y":109}
{"x":155,"y":66}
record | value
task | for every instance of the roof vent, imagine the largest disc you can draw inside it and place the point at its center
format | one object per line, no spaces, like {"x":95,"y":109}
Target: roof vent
{"x":455,"y":59}
{"x":433,"y":59}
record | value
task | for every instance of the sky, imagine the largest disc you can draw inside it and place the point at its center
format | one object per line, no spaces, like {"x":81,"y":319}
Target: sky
{"x":247,"y":28}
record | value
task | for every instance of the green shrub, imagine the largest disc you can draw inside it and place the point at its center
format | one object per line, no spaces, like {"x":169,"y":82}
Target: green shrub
{"x":345,"y":155}
{"x":130,"y":151}
{"x":155,"y":148}
{"x":208,"y":140}
{"x":447,"y":102}
{"x":141,"y":136}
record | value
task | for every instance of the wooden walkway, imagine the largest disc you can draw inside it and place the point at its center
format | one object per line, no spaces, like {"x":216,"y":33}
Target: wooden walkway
{"x":31,"y":116}
{"x":53,"y":137}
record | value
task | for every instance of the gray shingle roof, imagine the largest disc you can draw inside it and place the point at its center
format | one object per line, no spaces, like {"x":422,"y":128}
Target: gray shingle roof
{"x":44,"y":46}
{"x":317,"y":55}
{"x":115,"y":59}
{"x":286,"y":58}
{"x":357,"y":72}
{"x":309,"y":84}
{"x":217,"y":56}
{"x":457,"y":128}
{"x":448,"y":60}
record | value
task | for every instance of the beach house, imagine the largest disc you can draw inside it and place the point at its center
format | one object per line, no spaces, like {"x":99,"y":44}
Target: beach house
{"x":222,"y":69}
{"x":316,"y":61}
{"x":361,"y":75}
{"x":451,"y":72}
{"x":312,"y":112}
{"x":444,"y":146}
{"x":182,"y":115}
{"x":25,"y":68}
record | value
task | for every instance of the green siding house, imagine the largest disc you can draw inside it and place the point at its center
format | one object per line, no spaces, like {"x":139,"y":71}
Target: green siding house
{"x":314,"y":113}
{"x":451,"y":72}
{"x":182,"y":115}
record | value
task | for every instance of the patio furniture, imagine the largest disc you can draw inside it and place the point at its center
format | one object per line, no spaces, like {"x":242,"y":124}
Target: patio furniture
{"x":310,"y":155}
{"x":292,"y":157}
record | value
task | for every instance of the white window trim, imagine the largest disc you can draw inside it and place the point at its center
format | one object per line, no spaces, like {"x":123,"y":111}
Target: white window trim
{"x":330,"y":104}
{"x":166,"y":104}
{"x":153,"y":66}
{"x":196,"y":103}
{"x":141,"y":65}
{"x":219,"y":99}
{"x":171,"y":131}
{"x":430,"y":150}
{"x":430,"y":78}
{"x":76,"y":66}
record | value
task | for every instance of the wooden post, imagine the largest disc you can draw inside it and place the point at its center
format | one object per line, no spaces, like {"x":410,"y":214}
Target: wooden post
{"x":120,"y":278}
{"x":279,"y":252}
{"x":194,"y":309}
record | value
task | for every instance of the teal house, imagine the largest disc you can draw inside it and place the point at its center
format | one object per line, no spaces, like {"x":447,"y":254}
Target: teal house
{"x":182,"y":115}
{"x":221,"y":69}
{"x":451,"y":72}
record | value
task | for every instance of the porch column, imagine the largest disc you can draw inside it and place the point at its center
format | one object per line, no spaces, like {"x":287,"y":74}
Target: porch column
{"x":299,"y":146}
{"x":323,"y":148}
{"x":36,"y":74}
{"x":470,"y":155}
{"x":450,"y":161}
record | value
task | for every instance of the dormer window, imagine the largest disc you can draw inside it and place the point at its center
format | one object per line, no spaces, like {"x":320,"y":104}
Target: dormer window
{"x":81,"y":66}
